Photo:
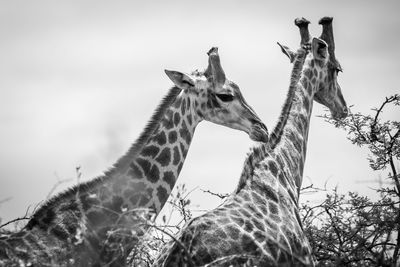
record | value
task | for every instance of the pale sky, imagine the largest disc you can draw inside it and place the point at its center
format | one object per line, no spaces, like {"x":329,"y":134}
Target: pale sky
{"x":80,"y":79}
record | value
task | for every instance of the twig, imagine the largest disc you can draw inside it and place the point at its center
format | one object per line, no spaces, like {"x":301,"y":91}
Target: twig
{"x":314,"y":189}
{"x":14,"y":220}
{"x":221,"y":196}
{"x":25,"y":217}
{"x":378,"y":111}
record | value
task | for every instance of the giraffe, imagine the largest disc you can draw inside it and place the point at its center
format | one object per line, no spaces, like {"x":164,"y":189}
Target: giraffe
{"x":259,"y":223}
{"x":97,"y":222}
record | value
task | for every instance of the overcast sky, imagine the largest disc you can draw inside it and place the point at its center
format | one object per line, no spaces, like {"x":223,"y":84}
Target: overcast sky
{"x":79,"y":80}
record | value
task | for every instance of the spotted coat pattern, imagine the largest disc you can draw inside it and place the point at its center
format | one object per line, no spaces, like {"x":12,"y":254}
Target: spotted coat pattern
{"x":259,"y":224}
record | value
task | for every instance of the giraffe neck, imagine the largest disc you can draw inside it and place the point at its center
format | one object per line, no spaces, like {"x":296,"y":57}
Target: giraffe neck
{"x":276,"y":133}
{"x":292,"y":144}
{"x":261,"y":151}
{"x":156,"y":167}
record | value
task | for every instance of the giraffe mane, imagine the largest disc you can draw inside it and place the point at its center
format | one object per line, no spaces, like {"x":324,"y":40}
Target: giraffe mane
{"x":276,"y":133}
{"x":66,"y":194}
{"x":150,"y":127}
{"x":259,"y":152}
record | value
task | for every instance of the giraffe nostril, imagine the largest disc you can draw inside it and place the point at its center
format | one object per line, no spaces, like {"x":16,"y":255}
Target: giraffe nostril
{"x":345,"y":111}
{"x":341,"y":113}
{"x":254,"y":121}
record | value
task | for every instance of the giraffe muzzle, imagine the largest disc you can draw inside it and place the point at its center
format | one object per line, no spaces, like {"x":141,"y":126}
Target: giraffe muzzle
{"x":259,"y":132}
{"x":341,"y":115}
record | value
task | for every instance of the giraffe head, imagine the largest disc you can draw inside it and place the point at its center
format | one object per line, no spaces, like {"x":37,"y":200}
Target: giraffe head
{"x":321,"y":66}
{"x":216,"y":99}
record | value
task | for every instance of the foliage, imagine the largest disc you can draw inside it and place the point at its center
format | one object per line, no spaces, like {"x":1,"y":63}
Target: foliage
{"x":161,"y":232}
{"x":352,"y":230}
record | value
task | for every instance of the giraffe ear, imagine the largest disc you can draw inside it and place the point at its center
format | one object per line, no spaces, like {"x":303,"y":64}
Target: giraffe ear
{"x":319,"y":49}
{"x":180,"y":79}
{"x":286,"y":50}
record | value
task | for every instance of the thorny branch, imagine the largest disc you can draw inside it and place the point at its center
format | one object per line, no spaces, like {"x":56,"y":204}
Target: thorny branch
{"x":25,"y":217}
{"x":352,"y":230}
{"x":221,"y":196}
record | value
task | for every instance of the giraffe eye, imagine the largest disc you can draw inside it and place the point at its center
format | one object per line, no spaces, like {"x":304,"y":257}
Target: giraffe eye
{"x":225,"y":97}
